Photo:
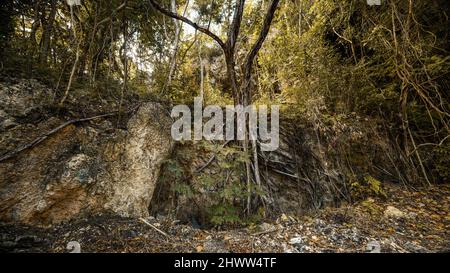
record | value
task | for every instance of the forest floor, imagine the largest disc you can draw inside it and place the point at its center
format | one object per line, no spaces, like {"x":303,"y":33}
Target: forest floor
{"x":404,"y":221}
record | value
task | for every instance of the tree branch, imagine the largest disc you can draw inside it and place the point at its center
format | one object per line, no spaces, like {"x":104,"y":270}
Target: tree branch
{"x":235,"y":25}
{"x":187,"y":21}
{"x":262,"y":36}
{"x":122,"y":6}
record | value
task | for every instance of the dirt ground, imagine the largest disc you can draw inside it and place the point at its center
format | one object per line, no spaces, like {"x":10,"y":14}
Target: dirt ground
{"x":404,"y":221}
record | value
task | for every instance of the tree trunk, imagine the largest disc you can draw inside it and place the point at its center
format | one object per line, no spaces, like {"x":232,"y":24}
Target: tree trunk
{"x":47,"y":33}
{"x":173,"y":59}
{"x":36,"y":22}
{"x":77,"y":58}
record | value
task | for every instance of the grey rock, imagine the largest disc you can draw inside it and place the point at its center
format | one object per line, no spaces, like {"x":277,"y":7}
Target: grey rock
{"x":413,"y":247}
{"x":373,"y":247}
{"x":393,"y":212}
{"x":296,"y":241}
{"x":215,"y":246}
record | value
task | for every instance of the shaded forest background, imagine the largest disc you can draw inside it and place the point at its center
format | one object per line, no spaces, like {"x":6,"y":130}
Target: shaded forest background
{"x":326,"y":62}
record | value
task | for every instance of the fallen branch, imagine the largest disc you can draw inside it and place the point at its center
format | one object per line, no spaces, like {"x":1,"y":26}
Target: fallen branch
{"x":38,"y":140}
{"x":264,"y":232}
{"x":155,"y":228}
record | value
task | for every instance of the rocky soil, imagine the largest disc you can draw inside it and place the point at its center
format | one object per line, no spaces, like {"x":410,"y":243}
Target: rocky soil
{"x":405,"y":221}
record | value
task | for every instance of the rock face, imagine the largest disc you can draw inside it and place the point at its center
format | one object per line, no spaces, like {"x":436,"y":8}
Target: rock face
{"x":82,"y":169}
{"x":135,"y":163}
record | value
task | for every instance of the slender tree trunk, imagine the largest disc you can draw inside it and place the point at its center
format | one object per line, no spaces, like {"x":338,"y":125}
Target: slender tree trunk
{"x":202,"y":80}
{"x":231,"y":73}
{"x":173,"y":59}
{"x":125,"y":65}
{"x":77,"y":58}
{"x":47,"y":33}
{"x":72,"y":75}
{"x":36,"y":22}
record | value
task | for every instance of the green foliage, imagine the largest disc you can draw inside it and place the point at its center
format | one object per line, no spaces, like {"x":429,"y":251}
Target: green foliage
{"x":219,"y":186}
{"x":173,"y":175}
{"x":183,"y":189}
{"x":369,"y":186}
{"x":224,"y":214}
{"x":174,"y":168}
{"x":224,"y":186}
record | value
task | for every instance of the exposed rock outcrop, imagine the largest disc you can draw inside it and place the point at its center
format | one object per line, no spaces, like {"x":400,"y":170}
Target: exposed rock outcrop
{"x":135,"y":162}
{"x":82,"y":169}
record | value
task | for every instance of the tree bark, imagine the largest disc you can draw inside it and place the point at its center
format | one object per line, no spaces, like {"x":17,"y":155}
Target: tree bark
{"x":36,"y":22}
{"x":47,"y":33}
{"x":178,"y":29}
{"x":77,"y":58}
